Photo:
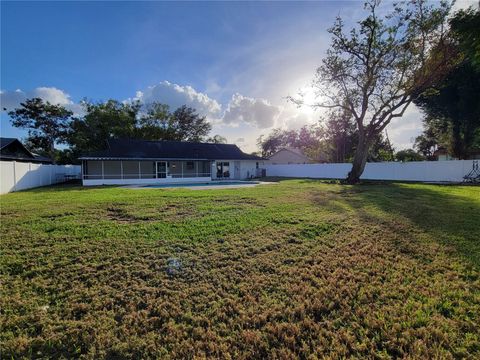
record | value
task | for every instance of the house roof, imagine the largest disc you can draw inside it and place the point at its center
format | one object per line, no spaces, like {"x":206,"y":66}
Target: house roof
{"x":7,"y":146}
{"x":296,"y":151}
{"x":124,"y":149}
{"x":4,"y":142}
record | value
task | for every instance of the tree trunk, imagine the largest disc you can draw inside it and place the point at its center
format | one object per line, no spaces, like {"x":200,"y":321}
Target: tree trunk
{"x":359,"y":160}
{"x":51,"y":151}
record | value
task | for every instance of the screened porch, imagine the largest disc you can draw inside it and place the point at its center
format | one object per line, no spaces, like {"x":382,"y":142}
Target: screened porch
{"x":130,"y":169}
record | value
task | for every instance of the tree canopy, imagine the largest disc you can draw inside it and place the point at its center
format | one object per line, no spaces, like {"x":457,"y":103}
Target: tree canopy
{"x":47,"y":124}
{"x":99,"y":121}
{"x":452,"y":106}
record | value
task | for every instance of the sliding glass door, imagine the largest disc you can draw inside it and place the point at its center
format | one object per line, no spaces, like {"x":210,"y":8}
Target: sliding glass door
{"x":161,"y":169}
{"x":223,"y":169}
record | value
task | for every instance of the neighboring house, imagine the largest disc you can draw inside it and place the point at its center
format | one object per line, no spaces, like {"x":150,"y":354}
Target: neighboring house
{"x":289,"y":156}
{"x":12,"y":149}
{"x":442,"y":155}
{"x":127,"y":161}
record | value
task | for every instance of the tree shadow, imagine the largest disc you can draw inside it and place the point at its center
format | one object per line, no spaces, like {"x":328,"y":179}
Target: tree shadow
{"x":451,"y":214}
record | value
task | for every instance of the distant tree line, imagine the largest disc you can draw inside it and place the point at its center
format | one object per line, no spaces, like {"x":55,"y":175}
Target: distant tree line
{"x":332,"y":140}
{"x":51,"y":126}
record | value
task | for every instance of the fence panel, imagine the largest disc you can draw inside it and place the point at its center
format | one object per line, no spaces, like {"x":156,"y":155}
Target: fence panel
{"x":435,"y":171}
{"x":15,"y":176}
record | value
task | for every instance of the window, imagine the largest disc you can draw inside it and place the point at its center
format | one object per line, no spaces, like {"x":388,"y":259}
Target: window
{"x":190,"y":165}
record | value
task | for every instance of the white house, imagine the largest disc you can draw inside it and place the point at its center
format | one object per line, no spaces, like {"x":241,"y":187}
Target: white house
{"x":127,"y":161}
{"x":289,"y":156}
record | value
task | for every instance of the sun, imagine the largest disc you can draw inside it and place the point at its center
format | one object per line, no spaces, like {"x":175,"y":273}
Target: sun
{"x":309,"y":98}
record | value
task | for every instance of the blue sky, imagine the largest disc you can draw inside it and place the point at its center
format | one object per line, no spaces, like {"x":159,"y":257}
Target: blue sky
{"x":234,"y":61}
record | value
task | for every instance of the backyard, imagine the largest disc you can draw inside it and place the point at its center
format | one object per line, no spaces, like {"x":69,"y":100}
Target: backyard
{"x":300,"y":268}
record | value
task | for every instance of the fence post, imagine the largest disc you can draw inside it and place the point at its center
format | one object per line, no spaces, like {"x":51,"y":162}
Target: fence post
{"x":14,"y":176}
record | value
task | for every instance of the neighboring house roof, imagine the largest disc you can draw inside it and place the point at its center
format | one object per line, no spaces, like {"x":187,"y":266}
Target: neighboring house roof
{"x":119,"y":149}
{"x":471,"y":154}
{"x":12,"y":149}
{"x":295,"y":151}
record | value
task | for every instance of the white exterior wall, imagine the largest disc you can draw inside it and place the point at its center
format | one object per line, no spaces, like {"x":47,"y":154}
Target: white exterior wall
{"x":435,"y":171}
{"x":248,"y":168}
{"x":16,"y":176}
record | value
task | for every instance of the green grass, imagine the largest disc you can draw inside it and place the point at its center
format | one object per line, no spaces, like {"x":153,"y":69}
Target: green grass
{"x":301,"y":268}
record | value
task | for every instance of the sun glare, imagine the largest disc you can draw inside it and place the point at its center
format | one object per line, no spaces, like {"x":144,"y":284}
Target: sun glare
{"x":309,"y":98}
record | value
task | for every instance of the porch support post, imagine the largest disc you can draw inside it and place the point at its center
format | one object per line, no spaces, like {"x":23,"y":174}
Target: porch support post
{"x":181,"y":162}
{"x":139,"y":172}
{"x":121,"y":169}
{"x":103,"y":172}
{"x":196,"y":168}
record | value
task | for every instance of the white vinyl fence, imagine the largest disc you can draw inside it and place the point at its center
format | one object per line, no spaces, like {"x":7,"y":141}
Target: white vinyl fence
{"x":16,"y":176}
{"x":428,"y":171}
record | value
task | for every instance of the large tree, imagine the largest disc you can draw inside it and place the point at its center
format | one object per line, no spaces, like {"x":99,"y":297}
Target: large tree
{"x":375,"y":70}
{"x":100,"y":122}
{"x":188,"y":125}
{"x":183,"y":124}
{"x":46,"y":123}
{"x":452,"y":106}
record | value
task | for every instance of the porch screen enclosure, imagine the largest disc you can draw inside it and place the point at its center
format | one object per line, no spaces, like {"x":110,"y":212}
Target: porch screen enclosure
{"x":129,"y":169}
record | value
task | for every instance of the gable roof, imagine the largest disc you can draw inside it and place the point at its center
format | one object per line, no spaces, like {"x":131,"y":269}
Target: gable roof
{"x":4,"y":142}
{"x":125,"y":149}
{"x":296,"y":151}
{"x":8,"y":147}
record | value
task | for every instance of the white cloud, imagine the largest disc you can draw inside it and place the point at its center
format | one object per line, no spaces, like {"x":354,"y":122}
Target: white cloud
{"x":464,"y":4}
{"x":12,"y":99}
{"x":177,"y":95}
{"x":257,"y":112}
{"x":52,"y":95}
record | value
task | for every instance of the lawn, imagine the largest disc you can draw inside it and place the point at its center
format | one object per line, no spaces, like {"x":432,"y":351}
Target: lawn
{"x":300,"y":268}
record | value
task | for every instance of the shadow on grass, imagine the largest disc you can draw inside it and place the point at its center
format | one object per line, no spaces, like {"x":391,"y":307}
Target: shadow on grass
{"x":67,"y":186}
{"x":450,"y":214}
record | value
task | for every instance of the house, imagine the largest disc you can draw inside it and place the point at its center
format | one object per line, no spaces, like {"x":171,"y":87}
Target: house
{"x":289,"y":156}
{"x":12,"y":149}
{"x":127,"y":161}
{"x":442,"y":154}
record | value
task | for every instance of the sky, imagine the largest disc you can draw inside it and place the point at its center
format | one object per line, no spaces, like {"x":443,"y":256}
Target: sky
{"x":235,"y":62}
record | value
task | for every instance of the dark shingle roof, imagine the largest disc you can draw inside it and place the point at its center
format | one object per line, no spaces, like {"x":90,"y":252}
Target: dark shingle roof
{"x":8,"y":146}
{"x":6,"y":141}
{"x":141,"y":149}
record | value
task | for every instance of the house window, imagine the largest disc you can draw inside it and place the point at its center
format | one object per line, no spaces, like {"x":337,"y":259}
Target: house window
{"x":190,"y":165}
{"x":256,"y":165}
